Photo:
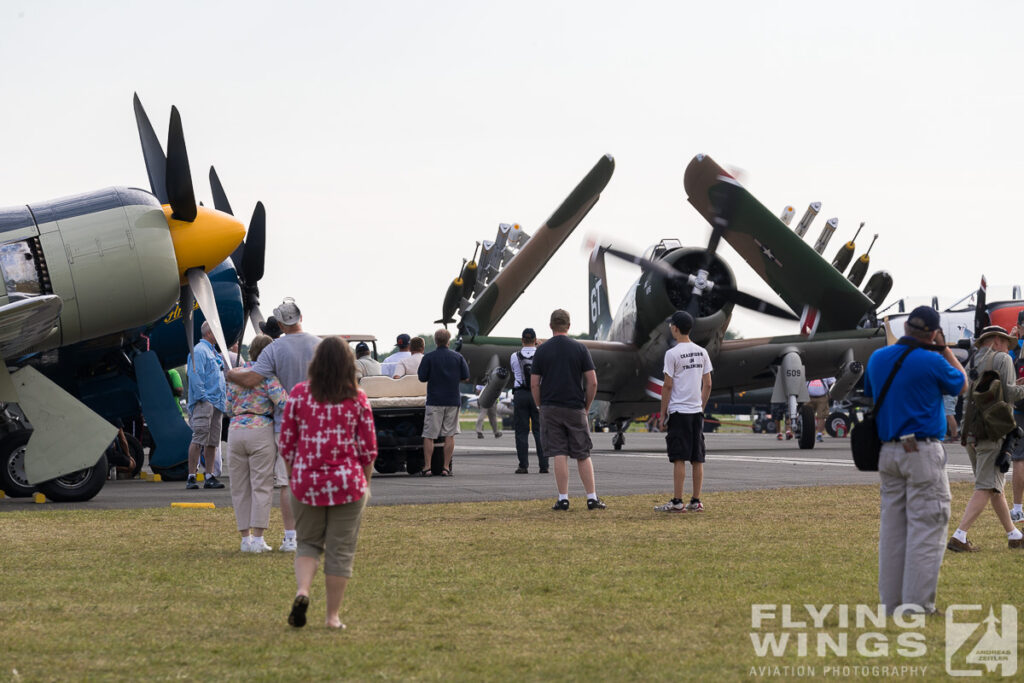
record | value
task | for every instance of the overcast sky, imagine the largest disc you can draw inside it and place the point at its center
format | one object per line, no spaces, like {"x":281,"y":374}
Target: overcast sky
{"x":386,"y":138}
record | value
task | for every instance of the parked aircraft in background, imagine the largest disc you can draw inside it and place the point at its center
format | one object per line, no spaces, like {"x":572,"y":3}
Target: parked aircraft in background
{"x":628,"y":348}
{"x":965,"y":317}
{"x":89,"y":279}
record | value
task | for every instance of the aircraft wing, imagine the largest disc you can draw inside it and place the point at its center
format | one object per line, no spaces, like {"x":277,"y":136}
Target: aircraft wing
{"x":498,"y":296}
{"x":25,"y":323}
{"x":784,"y":261}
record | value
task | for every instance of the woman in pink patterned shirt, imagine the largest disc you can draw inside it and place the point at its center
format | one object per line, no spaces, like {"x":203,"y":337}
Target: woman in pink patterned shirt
{"x":329,"y":443}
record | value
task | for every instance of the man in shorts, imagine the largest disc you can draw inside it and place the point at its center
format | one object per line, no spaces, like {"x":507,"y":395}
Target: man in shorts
{"x":564,"y":383}
{"x":206,"y":400}
{"x":684,"y":395}
{"x":442,"y":369}
{"x":817,"y":390}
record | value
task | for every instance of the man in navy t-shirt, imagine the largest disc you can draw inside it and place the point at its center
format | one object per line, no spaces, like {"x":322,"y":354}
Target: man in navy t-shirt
{"x":912,"y":464}
{"x":564,"y":383}
{"x":442,"y":369}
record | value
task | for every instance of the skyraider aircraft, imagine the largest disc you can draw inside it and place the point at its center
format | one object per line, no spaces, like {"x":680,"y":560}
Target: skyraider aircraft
{"x":81,"y":269}
{"x":629,"y":348}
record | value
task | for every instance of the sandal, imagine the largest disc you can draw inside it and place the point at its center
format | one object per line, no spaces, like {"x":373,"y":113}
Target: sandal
{"x":446,"y":472}
{"x":297,"y":618}
{"x":425,"y":473}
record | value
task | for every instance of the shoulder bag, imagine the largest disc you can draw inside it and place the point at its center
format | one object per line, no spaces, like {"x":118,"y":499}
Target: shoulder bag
{"x":864,"y":441}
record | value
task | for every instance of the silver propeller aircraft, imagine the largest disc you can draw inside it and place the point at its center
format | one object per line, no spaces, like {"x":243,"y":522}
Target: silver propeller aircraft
{"x":82,"y":267}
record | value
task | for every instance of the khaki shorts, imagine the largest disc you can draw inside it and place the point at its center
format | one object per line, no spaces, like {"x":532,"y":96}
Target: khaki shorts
{"x":565,"y":431}
{"x":206,"y":424}
{"x":987,"y":476}
{"x":820,"y":404}
{"x":441,"y":421}
{"x":331,"y":530}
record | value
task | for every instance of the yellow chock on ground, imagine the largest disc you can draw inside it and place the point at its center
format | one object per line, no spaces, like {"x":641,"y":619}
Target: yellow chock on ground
{"x":2,"y":495}
{"x":205,"y":506}
{"x":157,"y":478}
{"x":39,"y":497}
{"x":144,"y":476}
{"x":200,"y":476}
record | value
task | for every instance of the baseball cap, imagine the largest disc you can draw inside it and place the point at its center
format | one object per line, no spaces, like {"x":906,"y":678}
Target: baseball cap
{"x":362,"y":346}
{"x":924,"y":318}
{"x":402,"y":341}
{"x":288,"y":312}
{"x":529,"y":333}
{"x":270,"y":328}
{"x":683,"y":321}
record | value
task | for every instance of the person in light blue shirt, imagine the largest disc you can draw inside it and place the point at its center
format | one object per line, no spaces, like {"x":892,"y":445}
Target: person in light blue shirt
{"x":207,"y":393}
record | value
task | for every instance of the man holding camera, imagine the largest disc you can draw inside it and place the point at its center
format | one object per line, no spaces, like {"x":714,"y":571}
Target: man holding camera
{"x":984,"y":449}
{"x":912,"y":463}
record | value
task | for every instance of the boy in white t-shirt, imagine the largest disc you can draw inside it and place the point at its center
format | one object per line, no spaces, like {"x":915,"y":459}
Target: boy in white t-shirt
{"x":683,"y":397}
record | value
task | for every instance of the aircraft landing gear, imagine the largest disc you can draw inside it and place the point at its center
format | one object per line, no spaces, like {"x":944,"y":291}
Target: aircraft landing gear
{"x":838,"y":425}
{"x":12,"y":465}
{"x":618,"y":441}
{"x":806,"y":427}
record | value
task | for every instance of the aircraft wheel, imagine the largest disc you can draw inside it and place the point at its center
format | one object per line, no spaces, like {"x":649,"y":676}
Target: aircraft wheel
{"x":758,"y":427}
{"x":12,"y":472}
{"x":177,"y":472}
{"x":806,"y":427}
{"x":77,"y":486}
{"x":838,"y":425}
{"x":618,"y":441}
{"x":116,"y":456}
{"x":770,"y":426}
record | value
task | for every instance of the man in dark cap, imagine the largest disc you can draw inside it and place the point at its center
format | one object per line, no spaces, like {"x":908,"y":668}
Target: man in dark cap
{"x":524,"y":410}
{"x":687,"y":386}
{"x":983,"y":448}
{"x":912,"y":463}
{"x":271,"y":328}
{"x":387,"y":368}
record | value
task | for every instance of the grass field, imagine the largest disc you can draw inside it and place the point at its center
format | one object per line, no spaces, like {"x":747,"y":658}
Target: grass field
{"x":502,"y":591}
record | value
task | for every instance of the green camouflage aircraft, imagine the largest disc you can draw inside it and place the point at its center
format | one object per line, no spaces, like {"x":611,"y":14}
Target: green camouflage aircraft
{"x":838,"y":330}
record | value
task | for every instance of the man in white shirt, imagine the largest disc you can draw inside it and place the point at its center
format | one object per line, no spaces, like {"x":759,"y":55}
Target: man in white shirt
{"x":366,"y":366}
{"x":525,"y":413}
{"x":411,"y":365}
{"x":387,"y":368}
{"x":683,"y":398}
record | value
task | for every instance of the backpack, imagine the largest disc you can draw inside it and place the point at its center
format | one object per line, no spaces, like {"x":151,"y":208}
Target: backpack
{"x":986,"y":415}
{"x":526,"y":367}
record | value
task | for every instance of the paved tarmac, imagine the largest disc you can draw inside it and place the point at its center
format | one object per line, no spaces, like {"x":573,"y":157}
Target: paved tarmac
{"x":484,"y":471}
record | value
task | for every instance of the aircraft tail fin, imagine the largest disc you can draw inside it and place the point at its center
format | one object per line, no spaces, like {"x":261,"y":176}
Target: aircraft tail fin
{"x":501,"y":292}
{"x":597,"y":286}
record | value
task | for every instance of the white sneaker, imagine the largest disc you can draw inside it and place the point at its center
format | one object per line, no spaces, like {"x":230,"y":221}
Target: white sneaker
{"x":1017,"y":515}
{"x":247,"y":545}
{"x":288,"y":546}
{"x":671,"y":507}
{"x":258,"y":545}
{"x":695,"y":507}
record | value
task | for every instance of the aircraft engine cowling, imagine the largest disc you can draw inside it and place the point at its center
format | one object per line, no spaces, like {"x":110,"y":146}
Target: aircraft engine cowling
{"x":658,"y":297}
{"x":108,"y":255}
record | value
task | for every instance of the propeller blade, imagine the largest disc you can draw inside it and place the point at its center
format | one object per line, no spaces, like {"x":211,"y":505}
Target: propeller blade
{"x":152,"y":152}
{"x":723,"y":198}
{"x":658,"y":266}
{"x":187,"y":302}
{"x":220,"y":198}
{"x":255,"y":246}
{"x":180,"y":194}
{"x":199,"y":283}
{"x":755,"y":304}
{"x":256,"y":317}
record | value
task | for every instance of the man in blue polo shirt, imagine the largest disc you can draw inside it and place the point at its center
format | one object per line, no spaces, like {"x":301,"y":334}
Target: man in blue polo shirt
{"x":442,"y":369}
{"x":206,"y":403}
{"x":912,"y":464}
